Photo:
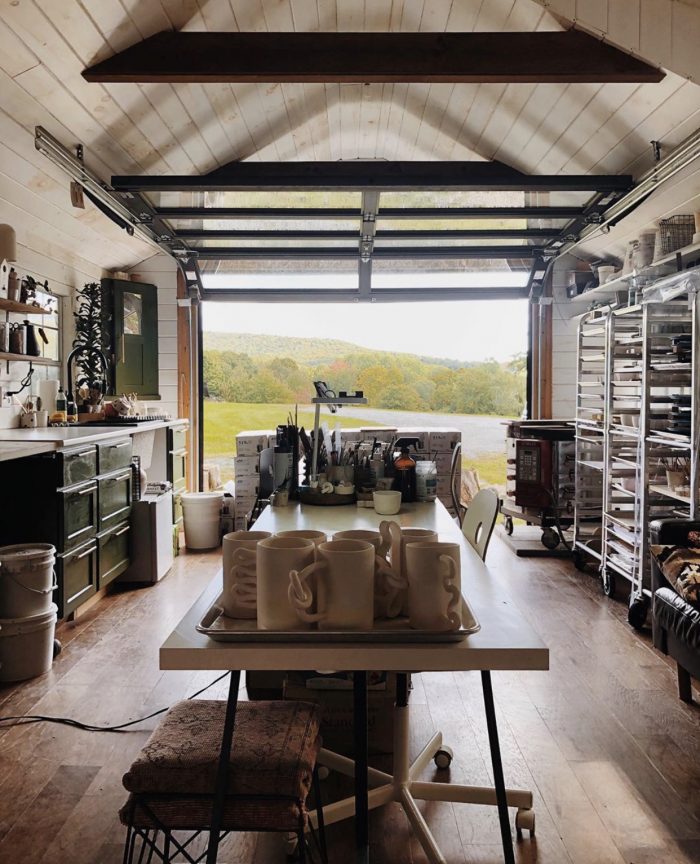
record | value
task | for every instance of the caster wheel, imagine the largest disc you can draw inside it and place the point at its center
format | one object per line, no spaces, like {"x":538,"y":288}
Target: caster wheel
{"x":57,"y":648}
{"x":291,"y":845}
{"x":323,"y":772}
{"x":550,"y":538}
{"x":525,"y":820}
{"x":608,"y":584}
{"x":443,"y":757}
{"x":637,"y":612}
{"x":579,"y":561}
{"x":508,"y":526}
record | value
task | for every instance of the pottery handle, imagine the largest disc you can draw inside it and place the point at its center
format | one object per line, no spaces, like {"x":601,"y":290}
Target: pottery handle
{"x":448,"y":583}
{"x":300,"y":595}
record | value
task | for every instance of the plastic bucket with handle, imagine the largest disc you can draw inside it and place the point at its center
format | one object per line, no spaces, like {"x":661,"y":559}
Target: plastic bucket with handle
{"x":202,"y":517}
{"x":26,"y":645}
{"x":26,"y":579}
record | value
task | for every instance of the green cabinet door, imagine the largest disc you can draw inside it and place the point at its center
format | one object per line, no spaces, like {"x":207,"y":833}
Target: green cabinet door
{"x":134,"y":337}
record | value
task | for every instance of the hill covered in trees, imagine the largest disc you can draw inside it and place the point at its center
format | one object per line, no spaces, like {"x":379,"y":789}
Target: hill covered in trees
{"x":255,"y":368}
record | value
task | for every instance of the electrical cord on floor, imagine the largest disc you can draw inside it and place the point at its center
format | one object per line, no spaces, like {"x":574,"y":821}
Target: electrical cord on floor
{"x":28,"y":719}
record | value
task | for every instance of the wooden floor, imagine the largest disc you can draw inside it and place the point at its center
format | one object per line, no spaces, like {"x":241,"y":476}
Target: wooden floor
{"x":611,"y":754}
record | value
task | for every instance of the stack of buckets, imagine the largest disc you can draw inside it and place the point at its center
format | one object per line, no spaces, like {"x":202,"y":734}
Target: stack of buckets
{"x":27,"y":615}
{"x":202,"y":517}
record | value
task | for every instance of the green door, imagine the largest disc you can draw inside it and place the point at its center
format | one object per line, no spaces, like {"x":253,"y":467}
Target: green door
{"x":135,"y":339}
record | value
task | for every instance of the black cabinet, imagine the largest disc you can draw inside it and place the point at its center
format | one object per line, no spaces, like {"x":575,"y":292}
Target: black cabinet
{"x":113,"y":553}
{"x":112,"y":455}
{"x":76,"y":513}
{"x":114,"y":498}
{"x":133,"y":336}
{"x":76,"y":574}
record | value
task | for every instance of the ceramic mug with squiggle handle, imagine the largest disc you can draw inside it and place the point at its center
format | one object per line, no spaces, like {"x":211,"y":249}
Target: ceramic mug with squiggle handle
{"x":434,"y":586}
{"x":240,"y":572}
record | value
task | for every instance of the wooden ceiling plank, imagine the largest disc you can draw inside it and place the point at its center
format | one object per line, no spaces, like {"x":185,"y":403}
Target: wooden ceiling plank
{"x":500,"y":58}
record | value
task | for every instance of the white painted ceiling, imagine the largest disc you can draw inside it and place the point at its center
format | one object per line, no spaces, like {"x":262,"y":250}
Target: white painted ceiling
{"x":193,"y":128}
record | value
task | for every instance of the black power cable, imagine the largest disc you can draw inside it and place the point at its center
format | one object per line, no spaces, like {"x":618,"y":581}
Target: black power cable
{"x":28,"y":719}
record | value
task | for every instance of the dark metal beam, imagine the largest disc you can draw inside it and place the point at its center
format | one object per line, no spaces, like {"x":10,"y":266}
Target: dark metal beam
{"x":476,"y":234}
{"x":378,"y":175}
{"x":304,"y":214}
{"x":326,"y":253}
{"x":533,"y":58}
{"x":352,"y":295}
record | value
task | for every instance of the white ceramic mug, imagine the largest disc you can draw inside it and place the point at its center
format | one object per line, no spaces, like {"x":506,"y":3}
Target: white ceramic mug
{"x":386,"y":587}
{"x":399,"y":538}
{"x":276,"y":558}
{"x":434,"y":586}
{"x":240,"y":572}
{"x":387,"y":502}
{"x":317,"y":537}
{"x":340,"y":583}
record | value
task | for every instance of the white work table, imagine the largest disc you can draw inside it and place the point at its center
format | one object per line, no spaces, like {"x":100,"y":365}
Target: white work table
{"x":505,"y":642}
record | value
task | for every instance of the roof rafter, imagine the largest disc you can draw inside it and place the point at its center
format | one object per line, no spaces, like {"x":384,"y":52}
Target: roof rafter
{"x":570,"y":56}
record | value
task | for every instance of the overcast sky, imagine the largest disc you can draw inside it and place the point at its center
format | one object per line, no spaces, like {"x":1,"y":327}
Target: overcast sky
{"x":471,"y":330}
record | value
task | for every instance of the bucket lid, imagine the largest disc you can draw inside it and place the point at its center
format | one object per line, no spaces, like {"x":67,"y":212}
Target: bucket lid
{"x":192,"y":497}
{"x":9,"y":626}
{"x":26,"y":552}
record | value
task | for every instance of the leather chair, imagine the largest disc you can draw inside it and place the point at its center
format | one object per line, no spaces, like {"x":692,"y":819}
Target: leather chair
{"x":675,"y":623}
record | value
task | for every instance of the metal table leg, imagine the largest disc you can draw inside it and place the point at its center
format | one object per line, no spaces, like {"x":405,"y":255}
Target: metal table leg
{"x":222,"y":768}
{"x":359,"y":689}
{"x":498,"y":780}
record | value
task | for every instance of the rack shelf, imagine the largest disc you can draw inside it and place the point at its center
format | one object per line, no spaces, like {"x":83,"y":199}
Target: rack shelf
{"x":667,"y":492}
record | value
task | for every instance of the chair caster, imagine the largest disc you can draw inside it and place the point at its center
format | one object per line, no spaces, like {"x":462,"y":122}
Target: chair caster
{"x":444,"y":756}
{"x":508,"y":525}
{"x":524,"y":819}
{"x":323,"y":772}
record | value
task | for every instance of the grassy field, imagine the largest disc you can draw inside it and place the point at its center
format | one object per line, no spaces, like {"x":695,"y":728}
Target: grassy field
{"x":224,"y":420}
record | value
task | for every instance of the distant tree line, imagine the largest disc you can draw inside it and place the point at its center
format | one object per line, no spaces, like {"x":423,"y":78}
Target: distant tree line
{"x":403,"y":382}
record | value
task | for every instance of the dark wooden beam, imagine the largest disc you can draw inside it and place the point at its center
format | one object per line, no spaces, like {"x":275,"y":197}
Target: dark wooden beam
{"x":379,"y":175}
{"x":472,"y":58}
{"x":458,"y":234}
{"x":352,"y":295}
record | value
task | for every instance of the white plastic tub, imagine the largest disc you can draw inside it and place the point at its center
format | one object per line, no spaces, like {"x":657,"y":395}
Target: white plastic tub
{"x":26,"y":645}
{"x":202,"y":517}
{"x":26,"y":579}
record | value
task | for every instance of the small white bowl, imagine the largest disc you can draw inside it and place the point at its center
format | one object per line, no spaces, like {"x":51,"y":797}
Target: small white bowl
{"x":387,"y":502}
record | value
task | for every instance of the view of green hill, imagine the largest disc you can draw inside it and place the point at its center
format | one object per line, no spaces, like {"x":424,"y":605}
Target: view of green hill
{"x":274,"y":369}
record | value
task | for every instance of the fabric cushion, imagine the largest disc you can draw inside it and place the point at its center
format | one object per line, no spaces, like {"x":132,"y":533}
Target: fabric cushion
{"x":273,"y":753}
{"x":680,"y":566}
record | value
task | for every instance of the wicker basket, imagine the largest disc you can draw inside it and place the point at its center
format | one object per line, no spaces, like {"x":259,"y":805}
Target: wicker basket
{"x":675,"y":233}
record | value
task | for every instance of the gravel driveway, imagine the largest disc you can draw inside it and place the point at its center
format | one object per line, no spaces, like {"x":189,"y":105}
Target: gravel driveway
{"x":480,"y":434}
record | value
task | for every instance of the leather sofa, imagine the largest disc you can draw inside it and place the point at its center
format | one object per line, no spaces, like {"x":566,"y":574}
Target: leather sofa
{"x":675,"y":623}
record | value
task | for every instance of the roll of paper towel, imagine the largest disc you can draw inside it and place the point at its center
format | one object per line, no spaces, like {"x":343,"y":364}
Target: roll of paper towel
{"x":48,"y":391}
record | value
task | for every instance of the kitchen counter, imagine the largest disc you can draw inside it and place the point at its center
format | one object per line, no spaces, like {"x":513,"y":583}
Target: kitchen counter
{"x":20,"y":449}
{"x":56,"y":437}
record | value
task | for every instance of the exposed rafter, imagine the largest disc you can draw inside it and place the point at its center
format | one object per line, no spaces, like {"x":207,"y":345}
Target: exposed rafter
{"x":304,"y":214}
{"x":531,"y":58}
{"x":361,"y":175}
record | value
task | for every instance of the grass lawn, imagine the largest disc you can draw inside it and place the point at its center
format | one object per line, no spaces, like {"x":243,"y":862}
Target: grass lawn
{"x":224,"y":420}
{"x":491,"y":467}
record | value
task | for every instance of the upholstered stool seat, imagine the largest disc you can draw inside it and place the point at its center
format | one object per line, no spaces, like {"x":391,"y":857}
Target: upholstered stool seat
{"x":271,"y":768}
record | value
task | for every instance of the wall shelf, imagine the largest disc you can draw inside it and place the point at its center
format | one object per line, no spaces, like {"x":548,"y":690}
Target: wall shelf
{"x":37,"y":361}
{"x":22,"y":308}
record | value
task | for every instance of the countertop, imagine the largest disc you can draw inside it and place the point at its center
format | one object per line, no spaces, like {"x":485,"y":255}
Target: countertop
{"x":17,"y":443}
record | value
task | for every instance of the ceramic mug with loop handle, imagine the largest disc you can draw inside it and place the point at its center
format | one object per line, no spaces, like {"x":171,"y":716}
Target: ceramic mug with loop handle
{"x":239,"y":562}
{"x":340,"y":584}
{"x":387,"y":586}
{"x":398,"y":539}
{"x":434,"y":586}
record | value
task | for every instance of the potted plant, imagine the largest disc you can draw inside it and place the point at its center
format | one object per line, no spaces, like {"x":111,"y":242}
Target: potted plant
{"x":89,"y":339}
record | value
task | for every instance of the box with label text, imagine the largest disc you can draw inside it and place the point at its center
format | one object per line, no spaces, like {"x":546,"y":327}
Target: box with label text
{"x":251,"y":443}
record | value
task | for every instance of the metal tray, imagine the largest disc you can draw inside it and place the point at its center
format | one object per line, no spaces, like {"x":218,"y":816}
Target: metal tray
{"x":221,"y":628}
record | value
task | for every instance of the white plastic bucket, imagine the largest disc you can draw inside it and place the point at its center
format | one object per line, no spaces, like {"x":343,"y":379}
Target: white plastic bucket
{"x":202,"y":517}
{"x":26,"y":579}
{"x":26,"y":645}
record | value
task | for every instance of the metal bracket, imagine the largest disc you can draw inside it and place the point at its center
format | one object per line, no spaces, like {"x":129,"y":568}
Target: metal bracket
{"x":656,"y":149}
